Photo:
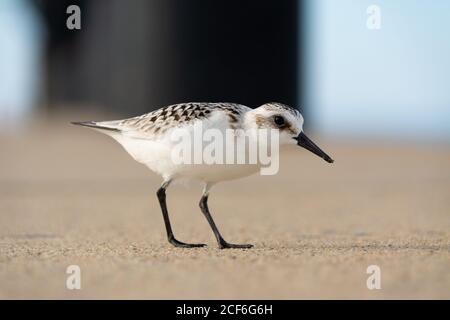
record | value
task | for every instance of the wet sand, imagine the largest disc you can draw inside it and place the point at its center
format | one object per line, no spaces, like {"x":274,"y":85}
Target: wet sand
{"x":71,"y":196}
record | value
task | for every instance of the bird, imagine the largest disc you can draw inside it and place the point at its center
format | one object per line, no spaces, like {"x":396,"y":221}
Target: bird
{"x":148,"y":139}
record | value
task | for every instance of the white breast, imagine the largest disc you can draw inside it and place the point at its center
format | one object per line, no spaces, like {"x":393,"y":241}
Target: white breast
{"x":157,"y":154}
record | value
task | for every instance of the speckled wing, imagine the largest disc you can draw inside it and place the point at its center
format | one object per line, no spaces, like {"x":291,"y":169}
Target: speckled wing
{"x":154,"y":124}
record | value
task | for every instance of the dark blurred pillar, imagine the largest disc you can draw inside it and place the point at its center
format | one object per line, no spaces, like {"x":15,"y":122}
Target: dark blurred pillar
{"x":133,"y":56}
{"x":62,"y":56}
{"x":243,"y":51}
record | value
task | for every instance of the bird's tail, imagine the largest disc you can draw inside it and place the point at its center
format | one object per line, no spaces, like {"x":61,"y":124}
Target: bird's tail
{"x":109,"y":126}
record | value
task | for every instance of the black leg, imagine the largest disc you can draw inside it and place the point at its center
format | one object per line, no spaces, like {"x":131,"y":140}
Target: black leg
{"x":220,"y":241}
{"x":162,"y":201}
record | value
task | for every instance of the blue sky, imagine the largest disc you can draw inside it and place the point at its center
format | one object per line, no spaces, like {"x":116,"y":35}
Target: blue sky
{"x":21,"y":44}
{"x":392,"y":82}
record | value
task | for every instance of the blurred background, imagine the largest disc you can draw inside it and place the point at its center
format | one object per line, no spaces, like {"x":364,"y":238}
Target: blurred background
{"x":320,"y":56}
{"x":134,"y":57}
{"x":370,"y":76}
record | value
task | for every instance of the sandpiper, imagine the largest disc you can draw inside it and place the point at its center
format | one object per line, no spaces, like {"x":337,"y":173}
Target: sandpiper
{"x":149,"y":140}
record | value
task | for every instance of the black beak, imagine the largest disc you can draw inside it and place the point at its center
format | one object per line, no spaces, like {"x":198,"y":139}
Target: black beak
{"x":303,"y":141}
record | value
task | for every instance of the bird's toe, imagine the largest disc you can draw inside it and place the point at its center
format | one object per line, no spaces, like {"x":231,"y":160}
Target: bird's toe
{"x":226,"y":245}
{"x":180,"y":244}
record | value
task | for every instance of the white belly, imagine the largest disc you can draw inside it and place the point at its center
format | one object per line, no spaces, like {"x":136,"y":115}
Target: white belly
{"x":157,"y":156}
{"x":217,"y":172}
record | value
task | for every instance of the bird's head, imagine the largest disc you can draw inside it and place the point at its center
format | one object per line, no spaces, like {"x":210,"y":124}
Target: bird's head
{"x":289,"y":122}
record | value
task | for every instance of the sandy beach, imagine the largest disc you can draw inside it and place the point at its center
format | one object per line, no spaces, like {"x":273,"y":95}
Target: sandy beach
{"x":71,"y":196}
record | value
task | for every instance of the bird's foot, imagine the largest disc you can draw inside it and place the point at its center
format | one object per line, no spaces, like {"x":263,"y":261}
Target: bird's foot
{"x":180,"y":244}
{"x":225,"y":245}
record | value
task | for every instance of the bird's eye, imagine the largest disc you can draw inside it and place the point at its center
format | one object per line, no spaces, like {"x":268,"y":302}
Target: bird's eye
{"x":279,"y":121}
